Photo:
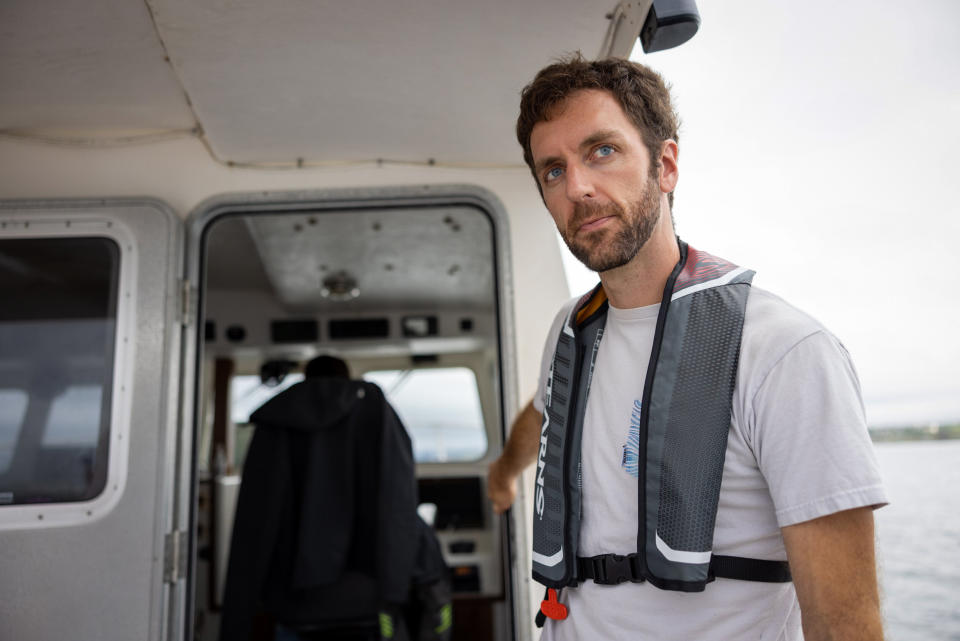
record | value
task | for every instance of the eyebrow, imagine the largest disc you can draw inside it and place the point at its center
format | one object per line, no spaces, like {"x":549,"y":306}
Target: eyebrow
{"x":589,"y":141}
{"x":600,"y":136}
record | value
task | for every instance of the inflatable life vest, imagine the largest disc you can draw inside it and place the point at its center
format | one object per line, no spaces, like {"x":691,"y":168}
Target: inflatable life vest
{"x":684,"y":423}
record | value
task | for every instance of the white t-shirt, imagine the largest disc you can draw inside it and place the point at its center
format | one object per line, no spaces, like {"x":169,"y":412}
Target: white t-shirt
{"x":798,"y":449}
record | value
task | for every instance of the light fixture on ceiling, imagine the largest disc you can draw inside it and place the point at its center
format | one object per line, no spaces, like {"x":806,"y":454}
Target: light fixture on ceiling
{"x":340,"y":286}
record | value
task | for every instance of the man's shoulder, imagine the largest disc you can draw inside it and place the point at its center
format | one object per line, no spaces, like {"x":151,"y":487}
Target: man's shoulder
{"x":562,"y":314}
{"x":769,"y":317}
{"x":772,"y":328}
{"x":567,"y":306}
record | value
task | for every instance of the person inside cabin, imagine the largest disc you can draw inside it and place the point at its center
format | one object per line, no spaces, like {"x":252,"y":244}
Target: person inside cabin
{"x":703,"y":466}
{"x":327,"y":542}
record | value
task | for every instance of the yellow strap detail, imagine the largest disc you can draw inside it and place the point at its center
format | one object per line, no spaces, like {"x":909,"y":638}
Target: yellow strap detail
{"x":598,"y":299}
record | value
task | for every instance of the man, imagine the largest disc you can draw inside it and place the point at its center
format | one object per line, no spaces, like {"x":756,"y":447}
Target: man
{"x":326,"y":539}
{"x":799,"y":478}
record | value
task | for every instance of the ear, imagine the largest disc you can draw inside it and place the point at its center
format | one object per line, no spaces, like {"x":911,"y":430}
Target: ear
{"x":669,"y":166}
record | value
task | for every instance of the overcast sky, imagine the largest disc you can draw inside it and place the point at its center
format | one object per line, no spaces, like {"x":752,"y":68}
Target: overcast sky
{"x":819,"y":146}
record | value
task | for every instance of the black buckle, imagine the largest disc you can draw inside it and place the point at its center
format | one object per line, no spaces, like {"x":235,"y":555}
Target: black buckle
{"x":612,"y":569}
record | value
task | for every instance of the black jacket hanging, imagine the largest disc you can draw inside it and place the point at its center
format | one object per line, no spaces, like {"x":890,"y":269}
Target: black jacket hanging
{"x":326,"y":522}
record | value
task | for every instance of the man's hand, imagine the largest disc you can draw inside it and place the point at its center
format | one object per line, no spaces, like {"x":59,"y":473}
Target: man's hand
{"x":834,"y":572}
{"x":501,"y":487}
{"x":521,"y":449}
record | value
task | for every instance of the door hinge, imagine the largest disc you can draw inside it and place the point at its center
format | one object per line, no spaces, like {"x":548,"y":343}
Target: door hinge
{"x":174,"y":556}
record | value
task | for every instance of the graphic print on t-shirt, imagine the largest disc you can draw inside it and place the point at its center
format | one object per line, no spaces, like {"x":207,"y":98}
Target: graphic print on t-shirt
{"x":631,"y":449}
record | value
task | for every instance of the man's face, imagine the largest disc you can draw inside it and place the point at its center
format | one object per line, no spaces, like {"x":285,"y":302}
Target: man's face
{"x":594,"y":172}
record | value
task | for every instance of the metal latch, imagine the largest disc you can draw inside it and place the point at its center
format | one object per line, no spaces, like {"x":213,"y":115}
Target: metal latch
{"x":186,"y":298}
{"x":174,"y":556}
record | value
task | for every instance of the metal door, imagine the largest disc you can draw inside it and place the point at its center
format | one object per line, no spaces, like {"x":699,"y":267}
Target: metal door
{"x":91,"y":511}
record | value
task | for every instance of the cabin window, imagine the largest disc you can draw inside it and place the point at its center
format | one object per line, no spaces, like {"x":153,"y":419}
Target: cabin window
{"x":440,"y":408}
{"x":57,"y":335}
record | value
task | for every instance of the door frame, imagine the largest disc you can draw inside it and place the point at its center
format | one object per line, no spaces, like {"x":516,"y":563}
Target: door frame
{"x":273,"y":202}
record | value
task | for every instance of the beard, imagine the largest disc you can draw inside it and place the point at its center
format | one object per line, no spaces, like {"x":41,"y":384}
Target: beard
{"x":601,"y":252}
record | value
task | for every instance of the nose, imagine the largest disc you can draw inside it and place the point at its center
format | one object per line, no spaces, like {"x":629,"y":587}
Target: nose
{"x":578,"y":183}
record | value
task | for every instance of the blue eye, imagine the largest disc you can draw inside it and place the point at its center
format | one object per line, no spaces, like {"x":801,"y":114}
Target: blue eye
{"x":604,"y":150}
{"x":553,"y":173}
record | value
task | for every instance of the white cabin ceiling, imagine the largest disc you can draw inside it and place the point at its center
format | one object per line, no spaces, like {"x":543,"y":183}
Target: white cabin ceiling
{"x":85,"y":66}
{"x":322,"y":81}
{"x":439,"y":257}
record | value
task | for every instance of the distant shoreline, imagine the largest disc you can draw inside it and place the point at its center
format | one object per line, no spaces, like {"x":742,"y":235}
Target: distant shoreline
{"x":928,"y":433}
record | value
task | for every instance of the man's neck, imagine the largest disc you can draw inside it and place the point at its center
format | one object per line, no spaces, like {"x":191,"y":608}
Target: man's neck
{"x":641,"y":281}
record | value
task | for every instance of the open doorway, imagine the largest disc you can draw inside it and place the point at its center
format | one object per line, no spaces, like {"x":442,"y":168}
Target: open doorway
{"x":408,"y":295}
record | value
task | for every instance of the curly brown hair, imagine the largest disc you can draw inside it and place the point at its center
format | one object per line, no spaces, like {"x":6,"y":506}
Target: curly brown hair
{"x":640,"y":90}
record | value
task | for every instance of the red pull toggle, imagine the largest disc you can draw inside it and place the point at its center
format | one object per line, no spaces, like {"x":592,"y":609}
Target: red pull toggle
{"x":553,"y":608}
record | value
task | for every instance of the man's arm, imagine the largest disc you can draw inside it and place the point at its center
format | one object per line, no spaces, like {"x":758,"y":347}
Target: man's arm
{"x":835,"y":575}
{"x":521,"y":449}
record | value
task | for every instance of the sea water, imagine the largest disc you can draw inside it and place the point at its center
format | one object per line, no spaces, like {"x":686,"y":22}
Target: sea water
{"x":919,"y":540}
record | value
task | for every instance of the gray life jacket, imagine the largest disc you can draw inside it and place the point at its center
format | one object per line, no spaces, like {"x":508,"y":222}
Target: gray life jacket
{"x":684,"y":423}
